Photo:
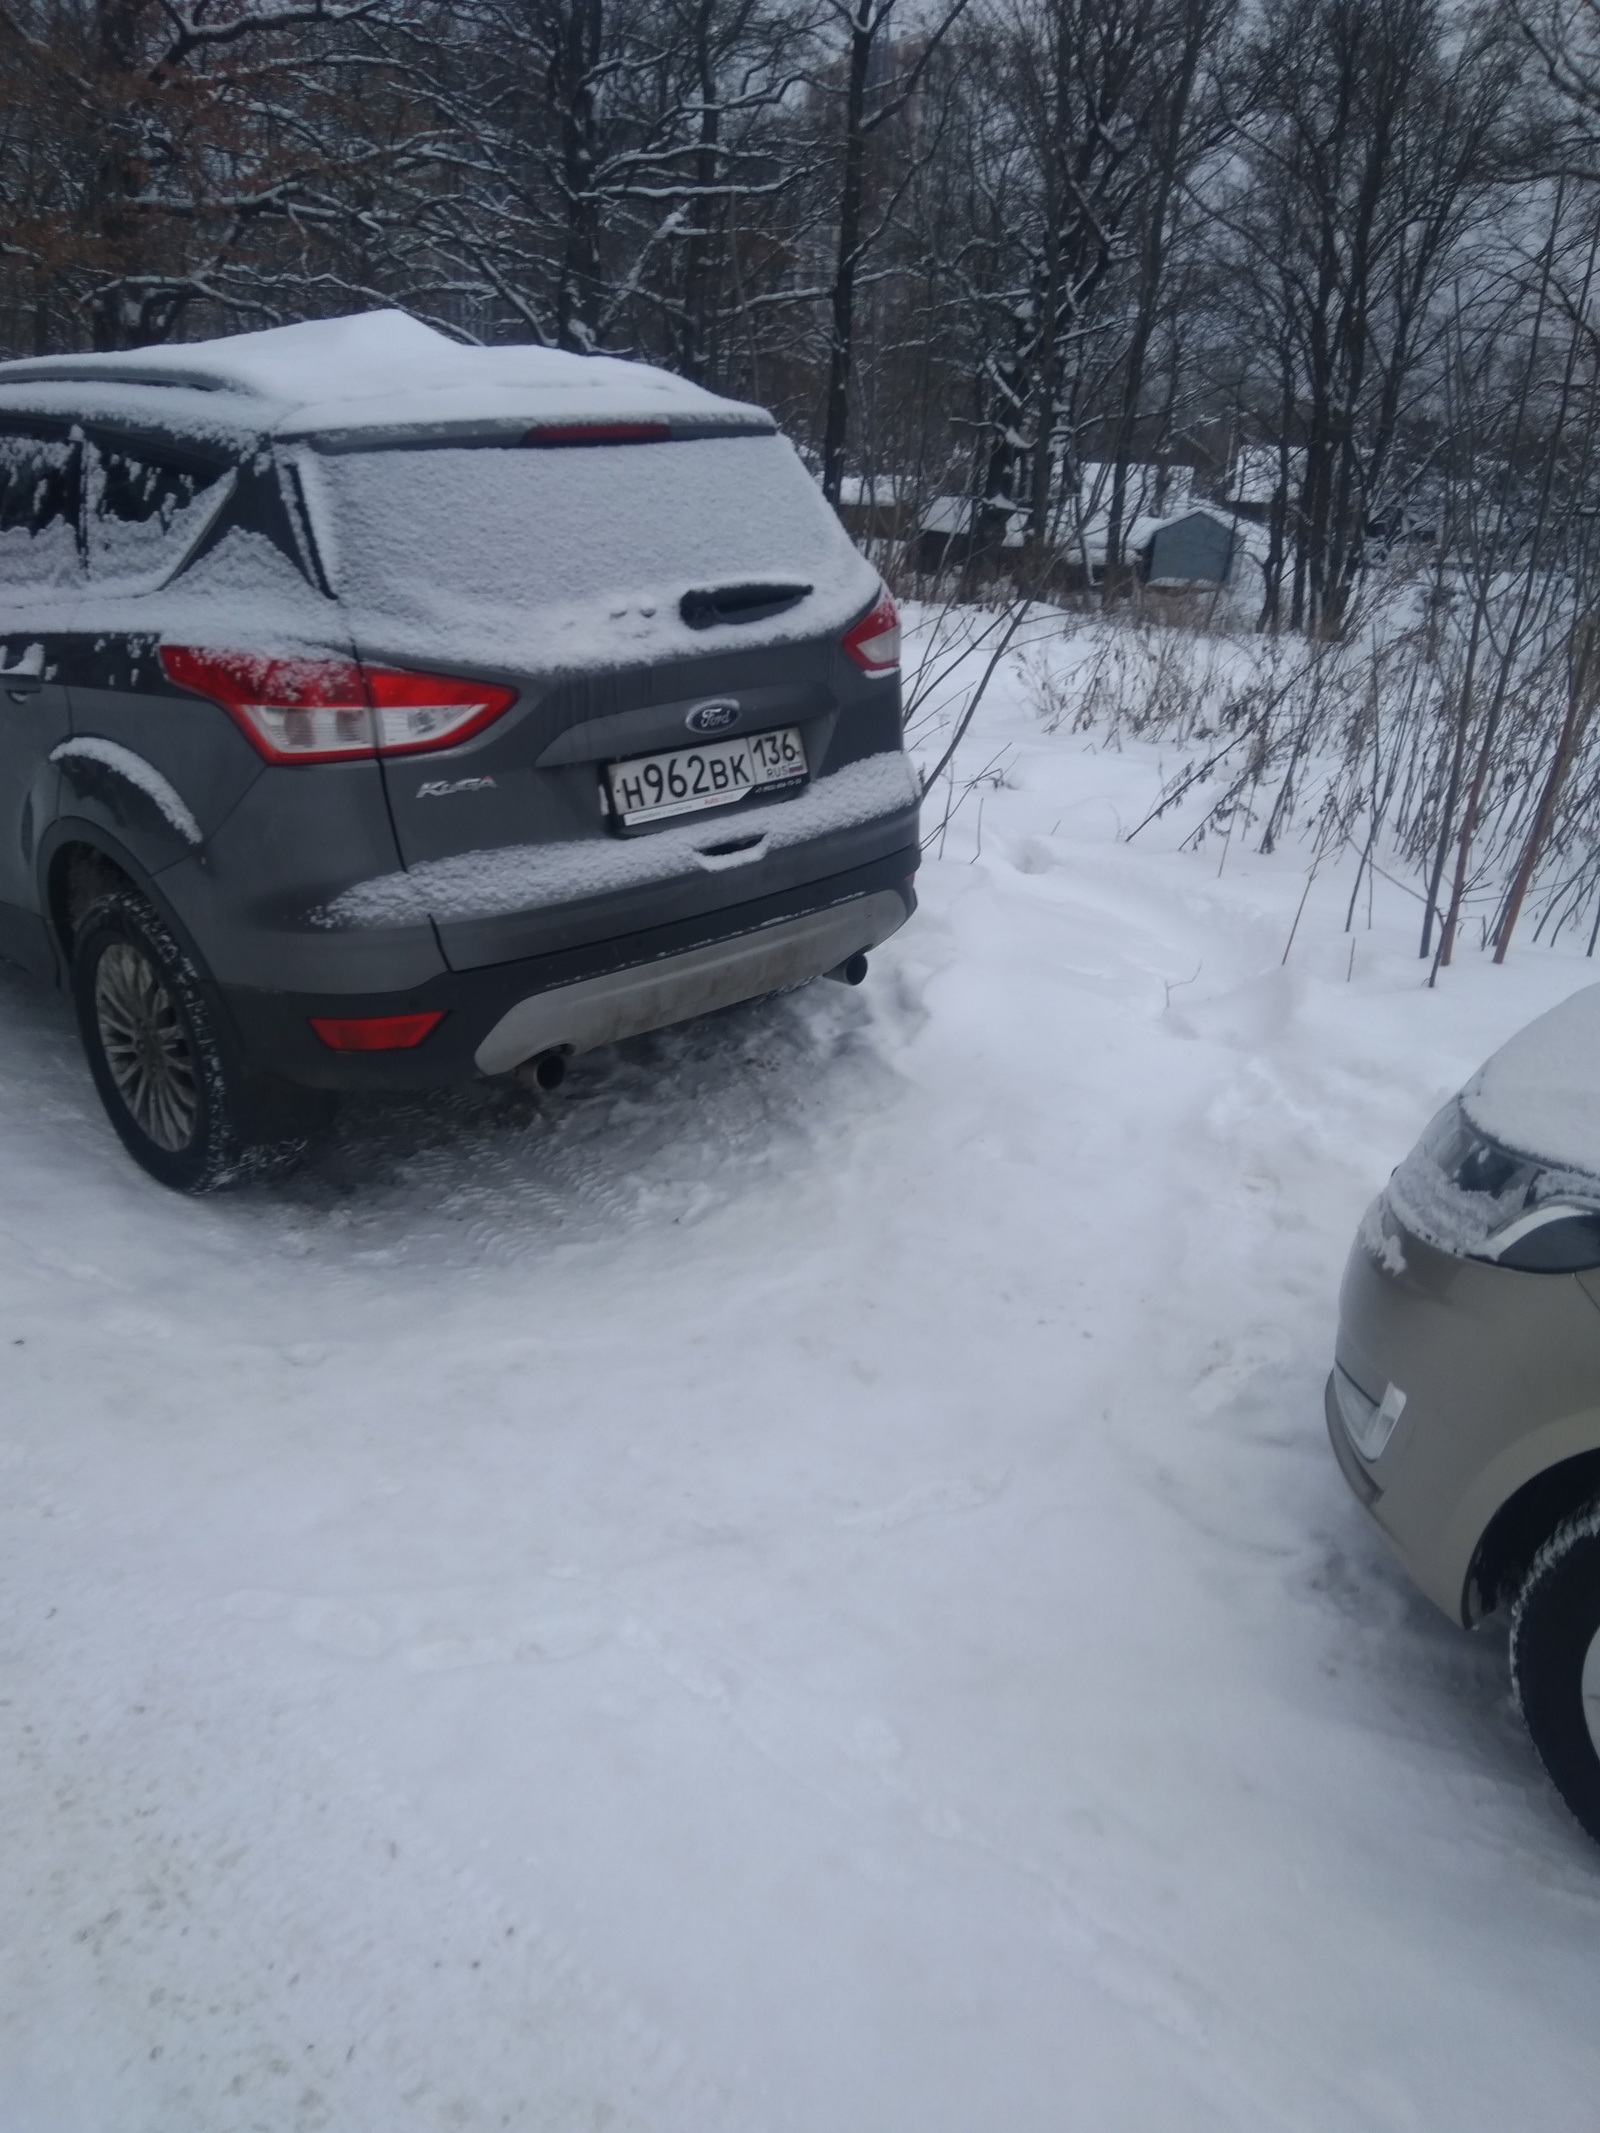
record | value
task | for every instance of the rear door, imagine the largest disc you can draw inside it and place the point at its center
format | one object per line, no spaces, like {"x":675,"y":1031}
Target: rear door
{"x":673,"y":607}
{"x":40,"y":588}
{"x":153,"y":768}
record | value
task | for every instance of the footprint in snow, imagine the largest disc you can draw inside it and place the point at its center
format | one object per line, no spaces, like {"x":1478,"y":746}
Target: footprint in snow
{"x":431,"y":1647}
{"x":1235,"y":1363}
{"x":875,"y":1742}
{"x":957,"y":1492}
{"x":344,"y":1630}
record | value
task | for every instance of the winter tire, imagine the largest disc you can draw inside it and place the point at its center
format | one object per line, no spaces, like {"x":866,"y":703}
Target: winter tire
{"x":180,"y":1109}
{"x":1555,"y":1661}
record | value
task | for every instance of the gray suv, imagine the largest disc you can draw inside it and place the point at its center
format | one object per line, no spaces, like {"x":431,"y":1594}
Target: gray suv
{"x":379,"y":713}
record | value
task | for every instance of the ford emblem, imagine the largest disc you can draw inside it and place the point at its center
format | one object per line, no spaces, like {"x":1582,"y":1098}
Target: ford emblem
{"x":713,"y":717}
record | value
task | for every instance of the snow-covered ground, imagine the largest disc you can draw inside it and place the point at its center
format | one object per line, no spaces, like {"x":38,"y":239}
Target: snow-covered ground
{"x":797,"y":1584}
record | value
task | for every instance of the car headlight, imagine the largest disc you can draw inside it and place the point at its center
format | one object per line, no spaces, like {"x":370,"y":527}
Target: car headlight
{"x":1368,"y":1423}
{"x":1469,"y":1195}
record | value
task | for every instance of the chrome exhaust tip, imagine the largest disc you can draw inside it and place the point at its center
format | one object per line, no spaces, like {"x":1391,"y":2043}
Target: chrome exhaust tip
{"x":548,"y":1070}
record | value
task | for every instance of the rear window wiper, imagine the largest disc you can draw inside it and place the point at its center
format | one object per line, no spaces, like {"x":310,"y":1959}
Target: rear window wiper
{"x":738,"y":603}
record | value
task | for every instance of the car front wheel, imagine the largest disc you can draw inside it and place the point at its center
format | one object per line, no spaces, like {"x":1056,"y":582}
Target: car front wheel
{"x":182,"y":1110}
{"x":1555,"y":1661}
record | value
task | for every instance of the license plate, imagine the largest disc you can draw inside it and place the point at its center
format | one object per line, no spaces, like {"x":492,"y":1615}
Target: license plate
{"x":711,"y":774}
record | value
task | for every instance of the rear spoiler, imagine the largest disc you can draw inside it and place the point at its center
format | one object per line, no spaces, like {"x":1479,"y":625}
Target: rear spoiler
{"x":509,"y":431}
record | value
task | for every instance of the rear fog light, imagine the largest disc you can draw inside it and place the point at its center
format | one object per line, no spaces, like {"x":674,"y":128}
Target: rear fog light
{"x":375,"y":1033}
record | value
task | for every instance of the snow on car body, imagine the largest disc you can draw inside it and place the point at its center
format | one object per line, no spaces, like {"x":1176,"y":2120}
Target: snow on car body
{"x":432,"y":707}
{"x":1464,"y":1403}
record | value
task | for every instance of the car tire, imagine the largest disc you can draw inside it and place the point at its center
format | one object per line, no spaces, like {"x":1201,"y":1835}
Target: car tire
{"x":1555,"y":1661}
{"x":182,"y":1109}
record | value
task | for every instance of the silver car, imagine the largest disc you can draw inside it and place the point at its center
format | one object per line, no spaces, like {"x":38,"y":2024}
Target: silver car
{"x":1464,"y":1403}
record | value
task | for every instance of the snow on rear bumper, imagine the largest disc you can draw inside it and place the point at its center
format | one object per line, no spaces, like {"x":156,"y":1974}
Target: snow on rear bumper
{"x":273,"y":1027}
{"x":626,"y":1003}
{"x":518,"y":879}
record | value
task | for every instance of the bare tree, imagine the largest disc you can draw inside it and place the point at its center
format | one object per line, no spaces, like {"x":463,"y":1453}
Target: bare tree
{"x":880,"y":81}
{"x":157,"y":156}
{"x":1376,"y":140}
{"x":1181,"y":128}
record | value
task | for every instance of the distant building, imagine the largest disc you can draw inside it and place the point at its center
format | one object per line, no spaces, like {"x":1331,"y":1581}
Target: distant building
{"x":1196,"y":548}
{"x":1152,"y":489}
{"x":955,"y":531}
{"x":1256,"y":475}
{"x":1198,"y":545}
{"x":875,"y":509}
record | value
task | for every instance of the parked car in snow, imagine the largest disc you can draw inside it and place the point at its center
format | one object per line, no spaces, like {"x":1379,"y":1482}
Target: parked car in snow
{"x":377,"y":712}
{"x":1464,"y":1403}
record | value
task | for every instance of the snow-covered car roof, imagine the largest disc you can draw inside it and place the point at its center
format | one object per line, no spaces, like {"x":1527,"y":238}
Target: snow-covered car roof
{"x":376,"y":376}
{"x":1540,"y":1093}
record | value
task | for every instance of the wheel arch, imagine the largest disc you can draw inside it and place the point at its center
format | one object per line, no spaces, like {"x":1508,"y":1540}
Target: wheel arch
{"x":1521,"y":1526}
{"x":77,"y":861}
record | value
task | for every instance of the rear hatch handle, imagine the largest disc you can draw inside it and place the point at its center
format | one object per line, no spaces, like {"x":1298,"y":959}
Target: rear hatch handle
{"x":704,"y":607}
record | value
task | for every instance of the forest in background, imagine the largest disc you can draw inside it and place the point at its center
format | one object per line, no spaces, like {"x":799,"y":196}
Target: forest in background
{"x":1335,"y":259}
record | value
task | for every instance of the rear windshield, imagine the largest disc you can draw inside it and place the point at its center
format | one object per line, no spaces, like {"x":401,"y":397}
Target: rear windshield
{"x":580,"y":535}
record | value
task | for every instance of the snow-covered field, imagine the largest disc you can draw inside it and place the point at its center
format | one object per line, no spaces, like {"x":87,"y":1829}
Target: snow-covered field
{"x":797,"y":1584}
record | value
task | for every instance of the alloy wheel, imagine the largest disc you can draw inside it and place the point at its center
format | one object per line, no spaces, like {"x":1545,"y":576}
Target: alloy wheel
{"x":147,"y":1047}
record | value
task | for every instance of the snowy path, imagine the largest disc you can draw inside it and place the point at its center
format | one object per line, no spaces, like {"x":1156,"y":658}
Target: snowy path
{"x":798,"y":1584}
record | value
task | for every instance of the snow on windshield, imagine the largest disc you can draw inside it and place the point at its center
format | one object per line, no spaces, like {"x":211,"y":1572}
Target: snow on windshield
{"x":1432,"y":1197}
{"x":578,"y":557}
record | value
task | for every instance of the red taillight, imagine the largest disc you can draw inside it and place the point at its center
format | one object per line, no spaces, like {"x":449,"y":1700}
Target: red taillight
{"x":553,"y":433}
{"x":375,"y":1033}
{"x":294,"y":710}
{"x":874,"y":642}
{"x":314,"y":710}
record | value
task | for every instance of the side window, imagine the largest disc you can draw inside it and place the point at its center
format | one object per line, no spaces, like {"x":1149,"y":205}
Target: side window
{"x":146,"y":509}
{"x":39,"y":477}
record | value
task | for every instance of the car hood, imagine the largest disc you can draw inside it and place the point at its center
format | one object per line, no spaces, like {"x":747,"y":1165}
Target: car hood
{"x":1540,"y":1093}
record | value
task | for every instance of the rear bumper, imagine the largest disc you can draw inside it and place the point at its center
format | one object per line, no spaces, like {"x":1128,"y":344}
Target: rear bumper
{"x":497,"y":1015}
{"x":675,"y":988}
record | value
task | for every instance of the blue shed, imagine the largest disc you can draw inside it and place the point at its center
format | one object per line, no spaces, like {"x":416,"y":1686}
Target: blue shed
{"x":1198,"y":547}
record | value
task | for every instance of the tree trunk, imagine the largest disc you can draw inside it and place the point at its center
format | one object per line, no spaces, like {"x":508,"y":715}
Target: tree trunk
{"x":1199,"y":22}
{"x":578,"y":289}
{"x":852,"y":187}
{"x":1580,"y":704}
{"x":692,"y":346}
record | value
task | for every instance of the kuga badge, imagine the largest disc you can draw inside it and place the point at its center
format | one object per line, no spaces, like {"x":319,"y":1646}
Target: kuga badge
{"x":440,"y":788}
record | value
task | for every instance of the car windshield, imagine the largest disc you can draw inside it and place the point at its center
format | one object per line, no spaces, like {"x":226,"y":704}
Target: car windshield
{"x":595,"y":545}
